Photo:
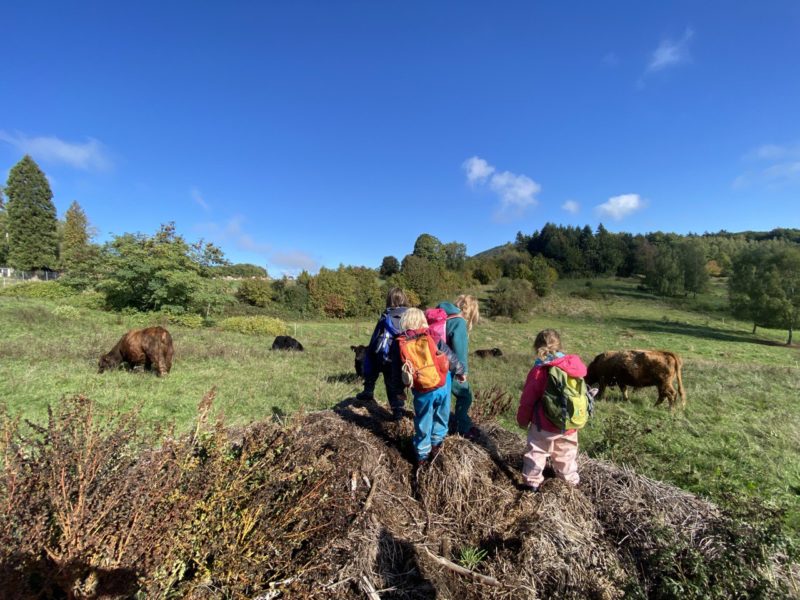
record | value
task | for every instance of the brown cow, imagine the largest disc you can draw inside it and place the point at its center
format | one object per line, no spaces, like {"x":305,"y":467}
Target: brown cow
{"x":638,"y":368}
{"x":149,"y":348}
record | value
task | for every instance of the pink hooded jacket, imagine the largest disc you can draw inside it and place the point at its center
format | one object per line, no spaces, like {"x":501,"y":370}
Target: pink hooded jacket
{"x":534,"y":388}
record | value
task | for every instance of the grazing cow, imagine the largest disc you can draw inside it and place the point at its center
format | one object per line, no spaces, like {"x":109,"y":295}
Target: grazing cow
{"x":361,"y":356}
{"x":489,"y":352}
{"x":638,"y":368}
{"x":287,"y":342}
{"x":149,"y":348}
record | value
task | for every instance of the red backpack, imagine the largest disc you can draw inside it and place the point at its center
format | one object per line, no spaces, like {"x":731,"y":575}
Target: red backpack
{"x":424,"y":367}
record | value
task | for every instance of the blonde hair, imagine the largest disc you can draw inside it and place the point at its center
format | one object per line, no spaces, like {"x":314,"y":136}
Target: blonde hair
{"x":413,"y":318}
{"x":547,"y":342}
{"x":469,"y":309}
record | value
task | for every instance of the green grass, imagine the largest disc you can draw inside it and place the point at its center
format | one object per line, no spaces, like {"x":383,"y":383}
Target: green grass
{"x":737,"y":441}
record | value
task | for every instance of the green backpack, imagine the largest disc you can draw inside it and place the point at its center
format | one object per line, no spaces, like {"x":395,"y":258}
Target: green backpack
{"x":567,"y":402}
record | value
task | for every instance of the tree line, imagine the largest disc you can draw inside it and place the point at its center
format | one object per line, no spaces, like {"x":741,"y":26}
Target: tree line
{"x":165,"y":272}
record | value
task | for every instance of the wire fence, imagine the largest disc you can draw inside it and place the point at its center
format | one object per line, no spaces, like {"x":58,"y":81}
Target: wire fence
{"x":9,"y":276}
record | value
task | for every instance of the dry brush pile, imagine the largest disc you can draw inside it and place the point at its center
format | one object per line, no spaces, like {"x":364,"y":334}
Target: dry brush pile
{"x":326,"y":505}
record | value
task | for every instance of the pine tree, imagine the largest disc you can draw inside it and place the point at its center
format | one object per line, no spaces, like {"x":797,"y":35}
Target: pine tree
{"x":31,"y":218}
{"x":75,"y":244}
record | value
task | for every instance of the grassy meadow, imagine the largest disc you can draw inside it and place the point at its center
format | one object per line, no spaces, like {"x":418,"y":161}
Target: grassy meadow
{"x":737,"y":441}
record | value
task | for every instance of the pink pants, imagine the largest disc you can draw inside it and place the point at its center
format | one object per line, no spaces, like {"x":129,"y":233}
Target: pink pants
{"x":562,"y":447}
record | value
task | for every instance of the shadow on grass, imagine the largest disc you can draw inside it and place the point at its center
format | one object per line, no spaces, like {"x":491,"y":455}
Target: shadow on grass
{"x":698,"y":331}
{"x":376,"y":419}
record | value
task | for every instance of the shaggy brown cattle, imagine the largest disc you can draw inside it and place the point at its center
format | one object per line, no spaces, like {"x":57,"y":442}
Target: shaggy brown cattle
{"x":150,"y":348}
{"x":361,"y":356}
{"x":489,"y":352}
{"x":287,"y":342}
{"x":638,"y":368}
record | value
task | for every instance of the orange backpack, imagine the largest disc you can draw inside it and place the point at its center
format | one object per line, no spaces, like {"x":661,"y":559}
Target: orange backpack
{"x":424,"y":367}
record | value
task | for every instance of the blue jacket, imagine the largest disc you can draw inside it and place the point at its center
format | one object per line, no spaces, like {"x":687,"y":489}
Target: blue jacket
{"x":457,"y":333}
{"x":372,"y":360}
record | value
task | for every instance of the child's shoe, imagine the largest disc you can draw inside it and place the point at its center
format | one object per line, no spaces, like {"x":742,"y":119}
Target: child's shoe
{"x":365,"y":396}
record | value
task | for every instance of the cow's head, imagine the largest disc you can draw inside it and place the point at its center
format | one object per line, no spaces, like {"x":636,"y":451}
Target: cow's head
{"x":592,"y":373}
{"x":108,"y":362}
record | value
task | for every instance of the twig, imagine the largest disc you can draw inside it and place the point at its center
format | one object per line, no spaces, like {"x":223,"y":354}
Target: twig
{"x":459,"y":569}
{"x":368,"y":501}
{"x":369,"y":589}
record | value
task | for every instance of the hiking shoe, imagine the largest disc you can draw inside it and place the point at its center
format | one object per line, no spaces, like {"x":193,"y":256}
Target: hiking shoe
{"x":473,"y":434}
{"x":421,"y":464}
{"x":365,"y":396}
{"x":398,"y":414}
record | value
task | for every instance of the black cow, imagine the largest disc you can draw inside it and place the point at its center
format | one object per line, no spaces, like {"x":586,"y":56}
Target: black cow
{"x":489,"y":352}
{"x":361,"y":355}
{"x":287,"y":342}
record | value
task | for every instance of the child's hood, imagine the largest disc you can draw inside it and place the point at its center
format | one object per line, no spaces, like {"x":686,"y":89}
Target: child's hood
{"x":449,"y":308}
{"x":571,"y":364}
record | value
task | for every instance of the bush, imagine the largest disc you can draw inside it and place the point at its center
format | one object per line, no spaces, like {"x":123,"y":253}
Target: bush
{"x":90,"y":300}
{"x":256,"y":292}
{"x":46,"y":290}
{"x":187,"y":320}
{"x":258,"y":325}
{"x":69,"y":313}
{"x":511,"y":298}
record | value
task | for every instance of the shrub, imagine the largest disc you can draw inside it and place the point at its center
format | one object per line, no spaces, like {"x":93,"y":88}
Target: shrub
{"x":90,"y":300}
{"x":258,"y":325}
{"x":66,"y":312}
{"x":47,"y":290}
{"x":256,"y":292}
{"x":511,"y":298}
{"x":187,"y":320}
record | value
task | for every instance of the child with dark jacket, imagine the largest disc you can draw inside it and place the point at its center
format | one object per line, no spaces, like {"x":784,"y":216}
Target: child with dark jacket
{"x":388,"y":363}
{"x":432,"y":408}
{"x":544,"y":438}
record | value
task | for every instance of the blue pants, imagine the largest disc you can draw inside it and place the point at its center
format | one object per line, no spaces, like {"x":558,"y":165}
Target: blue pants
{"x":431,"y":412}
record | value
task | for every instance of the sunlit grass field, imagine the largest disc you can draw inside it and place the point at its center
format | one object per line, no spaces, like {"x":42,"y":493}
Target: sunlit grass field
{"x":737,"y":440}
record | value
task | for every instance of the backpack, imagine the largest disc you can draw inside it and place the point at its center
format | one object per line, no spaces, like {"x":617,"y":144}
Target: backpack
{"x":385,"y":332}
{"x":567,"y":401}
{"x":437,"y":324}
{"x":424,"y":367}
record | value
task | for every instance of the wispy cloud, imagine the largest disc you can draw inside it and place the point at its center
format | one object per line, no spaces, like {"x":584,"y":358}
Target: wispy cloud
{"x":671,"y":52}
{"x":295,"y":261}
{"x":571,"y":207}
{"x":198,"y":198}
{"x":771,"y":166}
{"x":619,"y":207}
{"x":611,"y":59}
{"x":516,"y":192}
{"x":90,"y":155}
{"x":233,"y":232}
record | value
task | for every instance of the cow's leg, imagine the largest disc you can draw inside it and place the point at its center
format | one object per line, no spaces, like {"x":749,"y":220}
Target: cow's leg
{"x":602,"y":389}
{"x":623,"y":388}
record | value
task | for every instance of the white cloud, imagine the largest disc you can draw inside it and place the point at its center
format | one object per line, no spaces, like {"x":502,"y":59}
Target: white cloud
{"x":90,"y":155}
{"x":671,"y":52}
{"x":198,"y":197}
{"x":516,"y":192}
{"x":571,"y":207}
{"x":478,"y":170}
{"x":621,"y":206}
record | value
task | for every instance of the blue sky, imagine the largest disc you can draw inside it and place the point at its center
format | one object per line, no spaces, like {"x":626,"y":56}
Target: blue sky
{"x":299,"y":134}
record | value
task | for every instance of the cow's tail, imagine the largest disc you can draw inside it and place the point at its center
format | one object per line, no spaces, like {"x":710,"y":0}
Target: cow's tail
{"x":679,"y":375}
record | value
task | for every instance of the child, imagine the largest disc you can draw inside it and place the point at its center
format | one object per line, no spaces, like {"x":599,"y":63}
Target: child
{"x":544,"y":438}
{"x":461,"y":316}
{"x":432,"y":408}
{"x":382,"y":355}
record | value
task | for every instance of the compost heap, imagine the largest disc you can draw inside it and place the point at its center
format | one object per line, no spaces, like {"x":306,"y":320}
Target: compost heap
{"x":328,"y":505}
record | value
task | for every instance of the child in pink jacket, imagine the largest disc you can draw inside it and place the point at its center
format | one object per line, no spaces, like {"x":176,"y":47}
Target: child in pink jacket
{"x":544,"y":438}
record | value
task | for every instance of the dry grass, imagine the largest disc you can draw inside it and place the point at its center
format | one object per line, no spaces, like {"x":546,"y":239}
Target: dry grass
{"x":327,"y":505}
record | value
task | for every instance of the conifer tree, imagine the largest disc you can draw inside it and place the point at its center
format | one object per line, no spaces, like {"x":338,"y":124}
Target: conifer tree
{"x":31,"y":218}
